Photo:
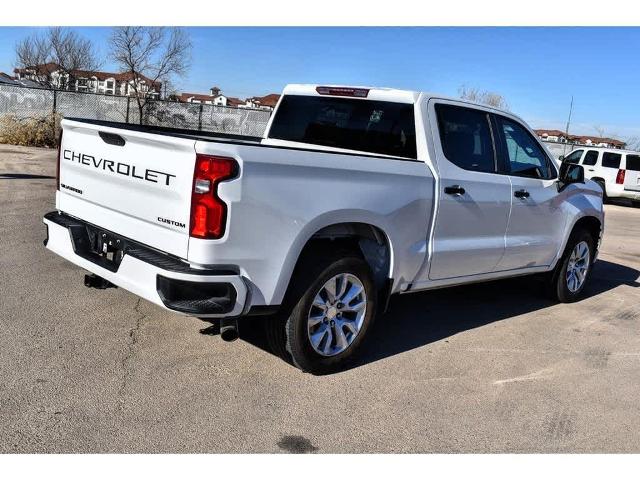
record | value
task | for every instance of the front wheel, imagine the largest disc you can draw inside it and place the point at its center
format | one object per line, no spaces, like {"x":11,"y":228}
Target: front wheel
{"x":605,"y":198}
{"x":335,"y":302}
{"x":574,"y":268}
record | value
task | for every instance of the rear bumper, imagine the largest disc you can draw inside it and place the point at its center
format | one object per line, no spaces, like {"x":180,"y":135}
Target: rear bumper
{"x":155,"y":276}
{"x":619,"y":191}
{"x":632,"y":194}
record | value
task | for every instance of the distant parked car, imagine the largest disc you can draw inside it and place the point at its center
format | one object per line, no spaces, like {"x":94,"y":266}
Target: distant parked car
{"x":616,"y":171}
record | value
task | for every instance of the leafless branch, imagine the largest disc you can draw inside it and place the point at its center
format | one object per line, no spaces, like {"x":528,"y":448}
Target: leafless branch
{"x":150,"y":54}
{"x":63,"y":47}
{"x":599,"y":131}
{"x":633,"y":142}
{"x":480,"y":96}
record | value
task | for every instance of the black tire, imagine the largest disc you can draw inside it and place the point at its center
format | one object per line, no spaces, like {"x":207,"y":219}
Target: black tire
{"x":276,"y":336}
{"x":287,"y":332}
{"x":605,"y":198}
{"x":557,"y":286}
{"x":635,"y":203}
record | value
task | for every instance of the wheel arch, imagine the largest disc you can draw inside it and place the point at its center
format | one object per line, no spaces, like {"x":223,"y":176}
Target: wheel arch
{"x":591,"y":224}
{"x":599,"y":180}
{"x":368,"y":239}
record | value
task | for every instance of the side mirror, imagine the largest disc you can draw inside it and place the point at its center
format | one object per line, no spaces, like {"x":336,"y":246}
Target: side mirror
{"x":561,"y":158}
{"x":570,"y":173}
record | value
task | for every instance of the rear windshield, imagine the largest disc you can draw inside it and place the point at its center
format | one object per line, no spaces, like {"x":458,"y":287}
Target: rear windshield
{"x":367,"y":125}
{"x":633,"y":162}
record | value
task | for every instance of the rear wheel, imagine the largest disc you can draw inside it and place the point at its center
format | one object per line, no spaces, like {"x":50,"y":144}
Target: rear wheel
{"x":332,"y":306}
{"x":570,"y":276}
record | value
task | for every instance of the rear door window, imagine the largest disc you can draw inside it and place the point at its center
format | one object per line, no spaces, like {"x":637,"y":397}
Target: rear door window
{"x":633,"y":163}
{"x":573,"y":157}
{"x":611,"y":160}
{"x":466,"y":138}
{"x":590,"y":158}
{"x":386,"y":128}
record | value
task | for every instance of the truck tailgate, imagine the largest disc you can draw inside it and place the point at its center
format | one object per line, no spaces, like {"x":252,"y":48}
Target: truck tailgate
{"x":133,"y":183}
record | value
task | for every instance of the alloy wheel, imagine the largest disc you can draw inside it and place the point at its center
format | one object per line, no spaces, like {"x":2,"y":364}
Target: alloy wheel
{"x":336,"y":314}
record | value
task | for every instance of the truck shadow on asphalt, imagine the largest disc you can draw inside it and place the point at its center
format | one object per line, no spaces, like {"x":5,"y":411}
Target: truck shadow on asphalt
{"x":418,"y":319}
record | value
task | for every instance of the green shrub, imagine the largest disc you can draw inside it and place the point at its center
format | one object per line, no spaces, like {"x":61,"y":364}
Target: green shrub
{"x":40,"y":131}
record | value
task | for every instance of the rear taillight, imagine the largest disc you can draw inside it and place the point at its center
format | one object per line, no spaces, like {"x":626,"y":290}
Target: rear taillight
{"x":620,"y":177}
{"x":208,"y":211}
{"x":58,"y":162}
{"x":343,"y":91}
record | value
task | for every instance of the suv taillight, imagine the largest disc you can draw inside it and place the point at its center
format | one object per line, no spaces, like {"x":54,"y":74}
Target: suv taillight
{"x":620,"y":177}
{"x":58,"y":162}
{"x":208,"y":211}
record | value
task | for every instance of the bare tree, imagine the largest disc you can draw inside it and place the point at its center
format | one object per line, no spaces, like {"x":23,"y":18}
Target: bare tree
{"x":482,"y":96}
{"x":633,"y":142}
{"x":57,"y":49}
{"x":600,"y":131}
{"x":150,"y":55}
{"x":603,"y":133}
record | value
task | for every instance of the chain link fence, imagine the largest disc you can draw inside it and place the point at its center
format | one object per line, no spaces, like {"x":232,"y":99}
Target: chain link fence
{"x":32,"y":103}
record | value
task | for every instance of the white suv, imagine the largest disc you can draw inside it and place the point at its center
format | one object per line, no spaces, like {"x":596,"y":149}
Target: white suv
{"x":616,"y":171}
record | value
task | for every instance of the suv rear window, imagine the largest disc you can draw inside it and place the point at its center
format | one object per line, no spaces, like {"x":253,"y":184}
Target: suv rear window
{"x":385,"y":128}
{"x":611,"y":160}
{"x":633,"y":163}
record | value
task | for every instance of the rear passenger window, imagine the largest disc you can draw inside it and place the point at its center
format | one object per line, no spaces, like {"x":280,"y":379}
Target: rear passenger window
{"x":590,"y":158}
{"x":611,"y":160}
{"x":633,"y":163}
{"x":466,"y":137}
{"x":573,"y":157}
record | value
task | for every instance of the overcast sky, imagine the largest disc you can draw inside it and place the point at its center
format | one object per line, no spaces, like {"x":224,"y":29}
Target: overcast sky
{"x":536,"y":69}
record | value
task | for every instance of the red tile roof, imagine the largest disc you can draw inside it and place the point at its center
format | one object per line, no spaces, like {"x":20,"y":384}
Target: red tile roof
{"x":554,"y":133}
{"x":268,"y":100}
{"x":580,"y":138}
{"x":234,"y":102}
{"x":40,"y":69}
{"x":596,"y":140}
{"x":49,"y":68}
{"x":185,"y":97}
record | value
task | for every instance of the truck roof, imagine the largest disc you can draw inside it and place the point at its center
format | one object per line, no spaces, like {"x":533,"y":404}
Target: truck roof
{"x":381,"y":93}
{"x":604,"y":149}
{"x":374,"y":93}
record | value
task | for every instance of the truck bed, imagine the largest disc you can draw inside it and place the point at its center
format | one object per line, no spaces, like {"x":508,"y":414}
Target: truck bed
{"x":174,"y":132}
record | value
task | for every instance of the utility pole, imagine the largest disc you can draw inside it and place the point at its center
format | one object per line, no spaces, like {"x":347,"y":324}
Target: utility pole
{"x":566,"y":131}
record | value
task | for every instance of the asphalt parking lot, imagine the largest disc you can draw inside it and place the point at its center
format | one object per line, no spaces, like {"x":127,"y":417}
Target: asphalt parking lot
{"x":486,"y":368}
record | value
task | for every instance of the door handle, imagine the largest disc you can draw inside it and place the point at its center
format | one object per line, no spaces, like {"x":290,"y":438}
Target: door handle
{"x":521,"y":194}
{"x":454,"y":190}
{"x":591,"y":170}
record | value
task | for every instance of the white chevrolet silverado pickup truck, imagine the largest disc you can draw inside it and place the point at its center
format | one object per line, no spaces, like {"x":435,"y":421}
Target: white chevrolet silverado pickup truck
{"x":354,"y":194}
